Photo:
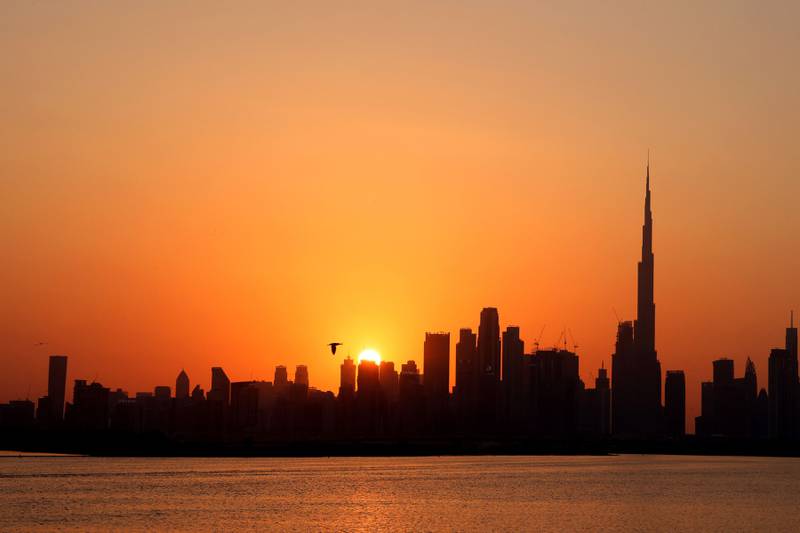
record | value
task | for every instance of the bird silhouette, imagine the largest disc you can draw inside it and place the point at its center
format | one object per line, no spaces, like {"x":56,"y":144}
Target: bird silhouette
{"x":40,"y":344}
{"x":333,"y":346}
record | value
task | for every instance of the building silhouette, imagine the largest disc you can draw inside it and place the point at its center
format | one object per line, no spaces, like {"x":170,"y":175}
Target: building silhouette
{"x":388,"y":378}
{"x":347,"y":377}
{"x":595,"y":407}
{"x":50,"y":409}
{"x":675,"y":404}
{"x":220,"y":387}
{"x":467,"y":372}
{"x":513,"y":353}
{"x":729,"y":406}
{"x":89,"y":408}
{"x":784,"y":389}
{"x":436,"y":364}
{"x":301,"y":375}
{"x":281,"y":376}
{"x":635,"y":368}
{"x":182,"y":385}
{"x":555,"y":393}
{"x":489,"y":369}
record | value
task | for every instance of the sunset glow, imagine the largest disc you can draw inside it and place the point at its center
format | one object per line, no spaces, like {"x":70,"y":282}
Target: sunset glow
{"x":205,"y":193}
{"x":369,"y":355}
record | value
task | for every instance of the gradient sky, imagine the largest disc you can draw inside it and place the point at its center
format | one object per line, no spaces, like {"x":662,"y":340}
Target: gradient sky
{"x":200,"y":184}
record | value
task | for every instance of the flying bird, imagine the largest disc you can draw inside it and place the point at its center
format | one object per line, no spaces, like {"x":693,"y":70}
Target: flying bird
{"x":333,"y":346}
{"x":40,"y":344}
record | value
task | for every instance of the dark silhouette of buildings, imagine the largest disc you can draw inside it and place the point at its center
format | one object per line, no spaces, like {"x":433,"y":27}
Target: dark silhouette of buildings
{"x":635,"y":369}
{"x":729,"y":405}
{"x":500,"y":392}
{"x":784,"y":396}
{"x":675,"y":404}
{"x":436,"y":361}
{"x":489,"y":369}
{"x":281,"y":376}
{"x":220,"y":387}
{"x":301,"y":375}
{"x":467,"y":372}
{"x":182,"y":386}
{"x":17,"y":414}
{"x":347,"y":377}
{"x":595,"y":407}
{"x":51,"y":407}
{"x":89,"y":408}
{"x":555,"y":390}
{"x":57,"y":385}
{"x":513,"y":371}
{"x":388,"y":378}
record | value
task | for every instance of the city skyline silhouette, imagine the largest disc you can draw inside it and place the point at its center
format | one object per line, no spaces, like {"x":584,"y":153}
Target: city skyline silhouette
{"x":499,"y":389}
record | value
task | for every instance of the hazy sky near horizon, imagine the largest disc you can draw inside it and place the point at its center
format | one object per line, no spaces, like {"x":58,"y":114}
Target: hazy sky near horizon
{"x":189,"y":184}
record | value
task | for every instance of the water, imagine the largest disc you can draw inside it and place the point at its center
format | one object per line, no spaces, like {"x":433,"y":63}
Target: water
{"x":641,"y":493}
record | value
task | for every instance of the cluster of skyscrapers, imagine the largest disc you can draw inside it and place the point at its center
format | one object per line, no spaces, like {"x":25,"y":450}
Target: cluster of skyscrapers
{"x":499,"y":390}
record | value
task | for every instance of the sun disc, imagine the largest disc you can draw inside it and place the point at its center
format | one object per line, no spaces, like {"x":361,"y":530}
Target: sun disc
{"x":369,"y":355}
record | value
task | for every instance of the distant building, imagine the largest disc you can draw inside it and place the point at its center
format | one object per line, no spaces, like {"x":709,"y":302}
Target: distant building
{"x":182,"y":386}
{"x":89,"y":408}
{"x":220,"y":387}
{"x":347,"y":377}
{"x":369,"y":398}
{"x":301,"y":375}
{"x":436,"y":361}
{"x":17,"y":414}
{"x":412,"y":400}
{"x":388,"y":378}
{"x":784,"y":389}
{"x":489,"y":370}
{"x":555,"y":393}
{"x":595,"y":407}
{"x":51,"y":408}
{"x":513,"y":349}
{"x":675,"y":403}
{"x":281,"y":376}
{"x":467,"y":371}
{"x":729,"y":405}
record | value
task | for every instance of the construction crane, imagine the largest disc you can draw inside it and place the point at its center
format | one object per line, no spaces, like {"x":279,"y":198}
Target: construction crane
{"x":574,"y":343}
{"x":538,"y":339}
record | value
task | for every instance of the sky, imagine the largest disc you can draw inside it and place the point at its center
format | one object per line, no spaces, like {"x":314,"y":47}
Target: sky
{"x":189,"y":184}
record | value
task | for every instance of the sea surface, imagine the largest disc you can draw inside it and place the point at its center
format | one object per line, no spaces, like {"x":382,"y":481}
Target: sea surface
{"x":619,"y":493}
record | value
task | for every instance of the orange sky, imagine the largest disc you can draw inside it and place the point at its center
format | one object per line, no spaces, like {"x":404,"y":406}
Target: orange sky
{"x":202,"y":184}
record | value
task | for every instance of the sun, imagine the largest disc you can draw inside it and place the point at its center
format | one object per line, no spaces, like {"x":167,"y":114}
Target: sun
{"x":370,"y":355}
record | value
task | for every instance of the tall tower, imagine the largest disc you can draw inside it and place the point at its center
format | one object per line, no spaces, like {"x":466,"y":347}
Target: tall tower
{"x":489,"y":370}
{"x":645,"y":325}
{"x":57,"y":385}
{"x":635,"y":369}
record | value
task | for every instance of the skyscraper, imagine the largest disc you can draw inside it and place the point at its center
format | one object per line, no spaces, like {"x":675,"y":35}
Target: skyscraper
{"x":347,"y":376}
{"x":220,"y":387}
{"x":635,"y":369}
{"x":675,"y":403}
{"x":301,"y":375}
{"x":513,"y":350}
{"x":182,"y":386}
{"x":489,"y":344}
{"x":436,"y":365}
{"x":466,"y":370}
{"x":57,"y":385}
{"x":388,"y":376}
{"x":281,"y":376}
{"x":489,"y":370}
